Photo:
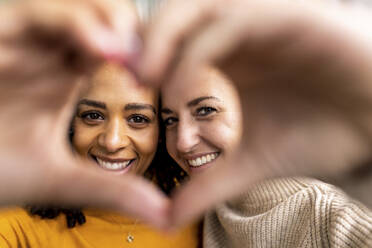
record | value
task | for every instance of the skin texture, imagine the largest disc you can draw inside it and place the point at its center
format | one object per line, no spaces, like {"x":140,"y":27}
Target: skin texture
{"x":209,"y":126}
{"x":301,"y":70}
{"x":47,"y":49}
{"x":124,"y":127}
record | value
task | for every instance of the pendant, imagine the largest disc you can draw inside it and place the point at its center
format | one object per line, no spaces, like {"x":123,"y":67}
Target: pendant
{"x":130,"y":238}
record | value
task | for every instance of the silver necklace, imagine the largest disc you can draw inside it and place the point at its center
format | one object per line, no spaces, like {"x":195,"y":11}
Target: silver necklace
{"x":130,"y":237}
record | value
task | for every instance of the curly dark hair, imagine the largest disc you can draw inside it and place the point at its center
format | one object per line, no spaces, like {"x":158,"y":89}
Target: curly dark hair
{"x":163,"y":171}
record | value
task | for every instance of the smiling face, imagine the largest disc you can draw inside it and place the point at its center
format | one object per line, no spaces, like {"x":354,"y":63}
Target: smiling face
{"x":116,"y":123}
{"x":203,"y":123}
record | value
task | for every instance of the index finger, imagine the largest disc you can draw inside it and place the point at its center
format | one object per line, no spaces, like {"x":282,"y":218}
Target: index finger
{"x":171,"y":27}
{"x":130,"y":195}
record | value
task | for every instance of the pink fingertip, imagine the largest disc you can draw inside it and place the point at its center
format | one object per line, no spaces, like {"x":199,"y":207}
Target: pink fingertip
{"x":121,"y":50}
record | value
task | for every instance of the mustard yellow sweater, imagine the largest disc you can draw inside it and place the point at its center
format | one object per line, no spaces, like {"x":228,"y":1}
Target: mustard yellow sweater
{"x":102,"y":229}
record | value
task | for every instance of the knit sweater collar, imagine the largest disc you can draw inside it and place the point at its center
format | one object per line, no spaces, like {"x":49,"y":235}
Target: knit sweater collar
{"x":267,"y":194}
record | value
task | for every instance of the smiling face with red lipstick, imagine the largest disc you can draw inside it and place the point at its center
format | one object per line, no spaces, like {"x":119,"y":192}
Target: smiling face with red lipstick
{"x":116,"y":122}
{"x":203,"y":123}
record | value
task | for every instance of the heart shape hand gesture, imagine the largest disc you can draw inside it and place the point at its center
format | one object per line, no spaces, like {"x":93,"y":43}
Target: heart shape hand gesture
{"x":302,"y":71}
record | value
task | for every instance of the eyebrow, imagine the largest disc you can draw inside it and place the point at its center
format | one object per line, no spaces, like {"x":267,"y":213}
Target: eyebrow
{"x":139,"y":106}
{"x":166,"y":111}
{"x":200,"y":99}
{"x":191,"y":103}
{"x":92,"y":103}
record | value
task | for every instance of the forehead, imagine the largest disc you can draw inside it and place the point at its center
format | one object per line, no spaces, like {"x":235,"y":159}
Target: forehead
{"x":114,"y":84}
{"x":210,"y":82}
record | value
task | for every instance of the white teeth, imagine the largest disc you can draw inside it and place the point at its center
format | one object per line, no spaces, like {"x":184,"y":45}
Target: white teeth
{"x":113,"y":166}
{"x":202,"y":160}
{"x":198,"y":161}
{"x":208,"y":158}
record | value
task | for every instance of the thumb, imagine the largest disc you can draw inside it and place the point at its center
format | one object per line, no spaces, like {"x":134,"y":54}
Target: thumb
{"x":84,"y":185}
{"x":222,"y":182}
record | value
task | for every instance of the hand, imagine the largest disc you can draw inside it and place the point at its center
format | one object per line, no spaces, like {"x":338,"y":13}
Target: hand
{"x":304,"y":74}
{"x":47,"y":48}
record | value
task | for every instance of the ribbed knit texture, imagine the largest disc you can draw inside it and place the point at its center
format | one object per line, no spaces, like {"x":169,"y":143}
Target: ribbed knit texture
{"x":295,"y":212}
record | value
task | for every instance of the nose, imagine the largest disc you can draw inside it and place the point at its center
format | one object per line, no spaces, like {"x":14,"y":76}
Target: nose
{"x":187,"y":135}
{"x":115,"y":136}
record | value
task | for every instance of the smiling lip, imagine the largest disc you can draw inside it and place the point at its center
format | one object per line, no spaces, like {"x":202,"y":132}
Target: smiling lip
{"x":114,"y":164}
{"x":200,"y":160}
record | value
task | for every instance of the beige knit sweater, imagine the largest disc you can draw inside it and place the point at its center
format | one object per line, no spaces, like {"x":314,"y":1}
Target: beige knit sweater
{"x":296,"y":212}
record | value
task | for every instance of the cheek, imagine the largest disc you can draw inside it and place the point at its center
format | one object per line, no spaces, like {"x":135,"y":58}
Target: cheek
{"x":146,"y":143}
{"x":224,"y":134}
{"x":83,"y":139}
{"x":171,"y":143}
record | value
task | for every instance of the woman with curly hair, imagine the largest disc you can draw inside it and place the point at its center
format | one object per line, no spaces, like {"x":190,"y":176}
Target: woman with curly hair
{"x":116,"y":128}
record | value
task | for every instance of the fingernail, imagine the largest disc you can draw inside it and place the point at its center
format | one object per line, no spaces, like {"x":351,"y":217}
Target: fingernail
{"x":122,"y":50}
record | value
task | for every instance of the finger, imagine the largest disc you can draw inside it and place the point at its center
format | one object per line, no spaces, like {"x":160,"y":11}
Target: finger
{"x":83,"y":185}
{"x":166,"y":34}
{"x":122,"y":18}
{"x":220,"y":183}
{"x":19,"y":63}
{"x":182,"y":22}
{"x":202,"y":50}
{"x":76,"y":23}
{"x":9,"y":21}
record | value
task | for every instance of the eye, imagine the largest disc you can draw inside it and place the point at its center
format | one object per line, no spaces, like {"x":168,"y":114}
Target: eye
{"x":170,"y":121}
{"x":205,"y":111}
{"x":92,"y":117}
{"x":138,"y":120}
